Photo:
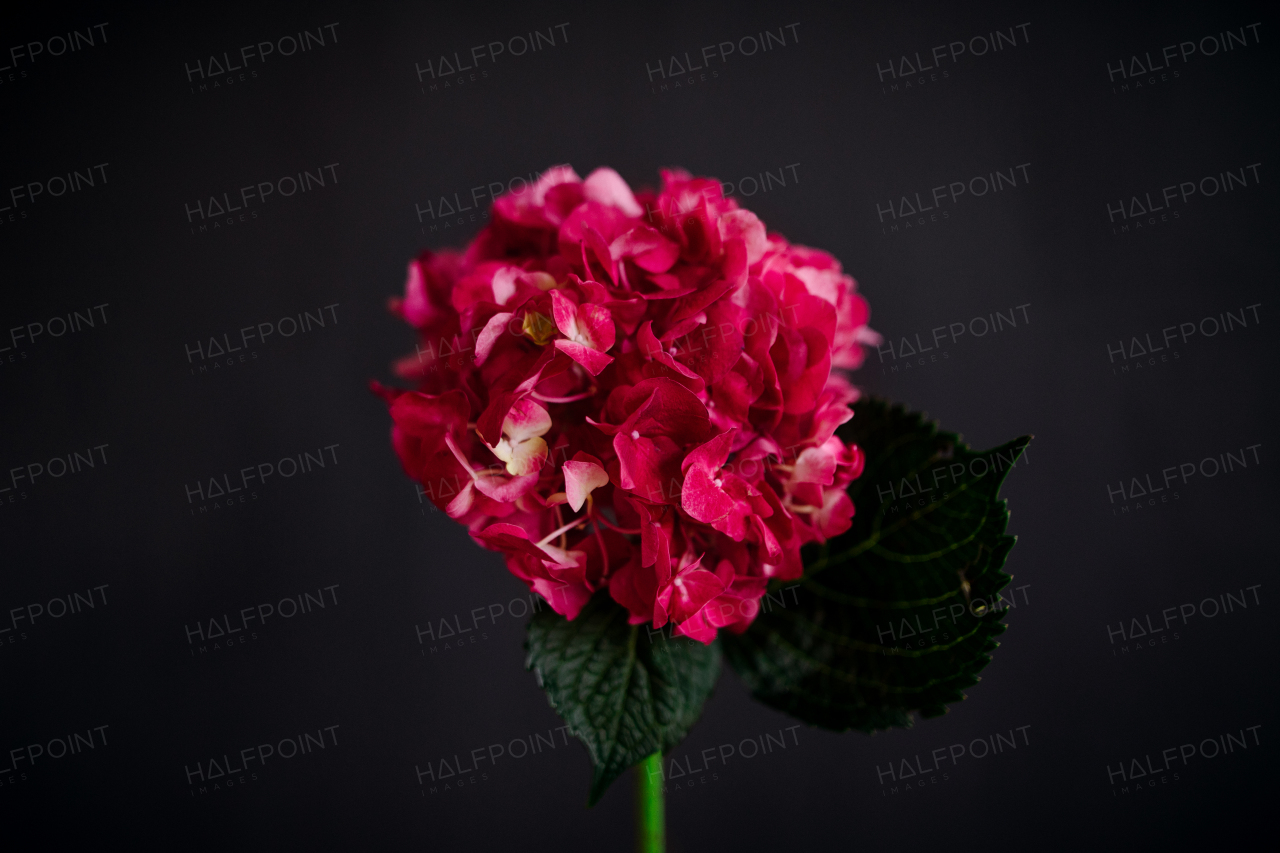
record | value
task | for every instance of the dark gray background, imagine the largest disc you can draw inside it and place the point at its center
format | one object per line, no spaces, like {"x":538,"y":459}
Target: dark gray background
{"x":816,"y":104}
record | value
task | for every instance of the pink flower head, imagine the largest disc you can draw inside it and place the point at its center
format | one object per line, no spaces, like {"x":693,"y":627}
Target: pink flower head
{"x":633,"y":392}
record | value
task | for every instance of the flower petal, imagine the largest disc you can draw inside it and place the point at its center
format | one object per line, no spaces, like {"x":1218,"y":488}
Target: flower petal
{"x":606,"y":186}
{"x":592,"y":359}
{"x":582,"y":474}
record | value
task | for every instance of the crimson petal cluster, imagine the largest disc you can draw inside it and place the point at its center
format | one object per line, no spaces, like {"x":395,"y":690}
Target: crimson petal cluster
{"x":634,"y":392}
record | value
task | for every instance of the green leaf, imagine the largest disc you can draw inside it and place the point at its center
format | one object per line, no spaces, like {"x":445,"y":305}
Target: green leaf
{"x":623,"y":693}
{"x":899,"y":613}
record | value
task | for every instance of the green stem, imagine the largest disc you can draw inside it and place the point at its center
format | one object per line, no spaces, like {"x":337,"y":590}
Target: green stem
{"x":651,"y":819}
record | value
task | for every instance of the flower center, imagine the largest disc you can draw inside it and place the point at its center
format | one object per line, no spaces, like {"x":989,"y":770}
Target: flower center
{"x":538,"y":327}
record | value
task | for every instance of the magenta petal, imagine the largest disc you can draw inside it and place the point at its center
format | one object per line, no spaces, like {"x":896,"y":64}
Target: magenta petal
{"x":836,"y":515}
{"x":508,"y":538}
{"x":651,"y":251}
{"x":689,"y":591}
{"x":595,"y":323}
{"x":696,"y":628}
{"x":489,"y":424}
{"x":606,"y":186}
{"x":592,"y":359}
{"x":702,"y":499}
{"x":490,"y":335}
{"x":595,"y":248}
{"x":647,"y":341}
{"x":633,"y":586}
{"x":565,"y":313}
{"x":462,"y":503}
{"x":424,"y":415}
{"x":671,"y":409}
{"x":565,"y":599}
{"x":712,"y":455}
{"x":643,"y":462}
{"x":744,"y":225}
{"x":415,"y":307}
{"x":815,"y":465}
{"x":506,"y":489}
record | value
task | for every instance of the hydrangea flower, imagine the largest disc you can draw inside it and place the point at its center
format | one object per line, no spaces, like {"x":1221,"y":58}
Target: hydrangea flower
{"x":634,"y":393}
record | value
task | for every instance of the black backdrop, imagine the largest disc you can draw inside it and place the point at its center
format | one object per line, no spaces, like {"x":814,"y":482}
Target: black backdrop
{"x":836,"y":136}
